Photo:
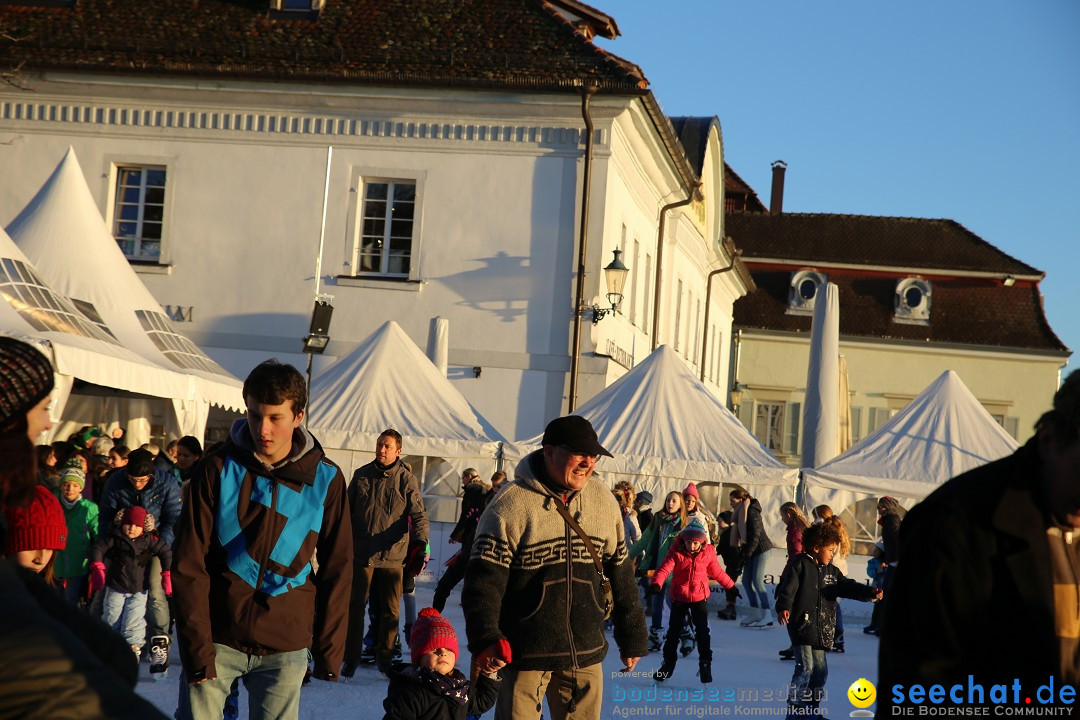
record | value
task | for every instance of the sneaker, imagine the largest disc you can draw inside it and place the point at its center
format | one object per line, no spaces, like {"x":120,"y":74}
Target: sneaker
{"x":159,"y":656}
{"x":368,"y":656}
{"x":787,"y":654}
{"x":838,"y":647}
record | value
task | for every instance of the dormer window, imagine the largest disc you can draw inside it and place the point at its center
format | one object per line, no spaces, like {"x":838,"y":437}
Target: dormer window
{"x":294,"y":9}
{"x":913,"y":301}
{"x":803,"y":291}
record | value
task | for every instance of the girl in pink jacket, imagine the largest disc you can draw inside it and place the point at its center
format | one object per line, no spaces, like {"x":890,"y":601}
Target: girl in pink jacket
{"x":690,"y":562}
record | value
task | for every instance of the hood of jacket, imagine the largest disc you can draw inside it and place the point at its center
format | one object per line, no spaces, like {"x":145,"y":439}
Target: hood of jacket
{"x":298,"y":466}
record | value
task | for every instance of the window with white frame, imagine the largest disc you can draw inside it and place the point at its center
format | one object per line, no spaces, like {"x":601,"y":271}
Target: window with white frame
{"x":139,"y":210}
{"x":769,"y":425}
{"x":385,"y":233}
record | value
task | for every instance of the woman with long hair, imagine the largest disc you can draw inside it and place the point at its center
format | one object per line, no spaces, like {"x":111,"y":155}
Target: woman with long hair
{"x":749,"y":535}
{"x":652,"y":548}
{"x":57,"y":659}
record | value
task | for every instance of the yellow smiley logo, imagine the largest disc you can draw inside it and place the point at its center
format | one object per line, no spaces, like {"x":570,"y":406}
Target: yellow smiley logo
{"x":862,"y":693}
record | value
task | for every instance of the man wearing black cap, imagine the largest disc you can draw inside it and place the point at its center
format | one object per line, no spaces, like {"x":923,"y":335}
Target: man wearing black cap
{"x":532,"y":608}
{"x":138,"y":484}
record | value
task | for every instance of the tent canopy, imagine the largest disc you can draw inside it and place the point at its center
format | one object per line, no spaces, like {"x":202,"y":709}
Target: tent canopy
{"x":62,"y":232}
{"x":387,"y":382}
{"x":942,"y":433}
{"x":666,"y":428}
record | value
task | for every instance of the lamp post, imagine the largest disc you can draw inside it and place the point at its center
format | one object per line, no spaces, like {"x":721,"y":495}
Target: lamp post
{"x":318,"y":336}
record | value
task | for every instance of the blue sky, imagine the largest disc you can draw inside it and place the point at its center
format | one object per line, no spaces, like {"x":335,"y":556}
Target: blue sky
{"x":960,"y":109}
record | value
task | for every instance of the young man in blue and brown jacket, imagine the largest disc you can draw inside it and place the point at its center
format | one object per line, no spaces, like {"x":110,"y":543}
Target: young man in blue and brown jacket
{"x":248,"y":603}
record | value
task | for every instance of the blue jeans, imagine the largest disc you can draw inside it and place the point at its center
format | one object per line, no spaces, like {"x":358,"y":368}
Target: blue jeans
{"x":272,"y":683}
{"x":657,"y":607}
{"x":754,"y":582}
{"x":808,"y":681}
{"x":126,"y":612}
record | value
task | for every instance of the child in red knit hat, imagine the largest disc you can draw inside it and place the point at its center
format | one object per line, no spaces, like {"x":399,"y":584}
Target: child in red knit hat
{"x":35,"y":532}
{"x":129,"y":545}
{"x":431,"y":687}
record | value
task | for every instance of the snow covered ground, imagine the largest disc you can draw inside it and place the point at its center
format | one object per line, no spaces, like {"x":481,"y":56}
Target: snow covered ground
{"x":749,"y":679}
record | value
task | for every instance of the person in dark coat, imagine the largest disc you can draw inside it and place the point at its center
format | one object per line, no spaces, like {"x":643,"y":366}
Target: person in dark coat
{"x":430,"y":687}
{"x":994,"y":548}
{"x":55,"y":660}
{"x":890,"y":516}
{"x":472,"y":504}
{"x":643,"y":507}
{"x":748,"y":534}
{"x":806,"y":604}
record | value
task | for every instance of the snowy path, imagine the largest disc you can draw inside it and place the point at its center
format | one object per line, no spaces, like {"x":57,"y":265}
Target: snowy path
{"x":748,"y":677}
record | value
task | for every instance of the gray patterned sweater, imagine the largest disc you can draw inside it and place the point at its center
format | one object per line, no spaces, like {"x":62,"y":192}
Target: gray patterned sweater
{"x":522,"y":584}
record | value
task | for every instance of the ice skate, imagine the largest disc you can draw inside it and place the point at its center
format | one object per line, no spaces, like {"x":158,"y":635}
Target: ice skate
{"x":705,"y":671}
{"x":655,"y":643}
{"x":664,"y":672}
{"x":753,"y":617}
{"x":686,"y":643}
{"x":159,"y":656}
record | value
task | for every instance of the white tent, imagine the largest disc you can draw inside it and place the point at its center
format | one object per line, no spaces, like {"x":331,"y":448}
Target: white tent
{"x":63,"y":234}
{"x":387,"y":382}
{"x":665,"y":429}
{"x":33,"y":311}
{"x":942,"y":433}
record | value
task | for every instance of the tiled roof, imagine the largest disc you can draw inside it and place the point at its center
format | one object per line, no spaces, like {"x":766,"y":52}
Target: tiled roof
{"x":869,"y":240}
{"x":481,"y":43}
{"x":965,"y":311}
{"x":735,"y":185}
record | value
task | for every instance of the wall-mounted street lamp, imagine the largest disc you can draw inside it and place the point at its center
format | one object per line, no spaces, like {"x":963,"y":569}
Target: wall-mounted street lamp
{"x":735,"y":396}
{"x":318,"y":336}
{"x":615,"y":273}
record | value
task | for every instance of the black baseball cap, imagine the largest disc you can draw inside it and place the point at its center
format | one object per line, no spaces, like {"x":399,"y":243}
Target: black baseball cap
{"x":574,"y":433}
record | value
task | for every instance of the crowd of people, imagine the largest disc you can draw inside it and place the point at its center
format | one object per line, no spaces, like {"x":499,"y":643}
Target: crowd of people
{"x":275,"y":569}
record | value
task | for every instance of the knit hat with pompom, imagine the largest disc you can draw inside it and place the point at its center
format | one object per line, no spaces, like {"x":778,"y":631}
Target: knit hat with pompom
{"x":430,"y":632}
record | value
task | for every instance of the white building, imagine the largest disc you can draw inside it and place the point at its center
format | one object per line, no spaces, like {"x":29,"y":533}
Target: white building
{"x":455,"y":186}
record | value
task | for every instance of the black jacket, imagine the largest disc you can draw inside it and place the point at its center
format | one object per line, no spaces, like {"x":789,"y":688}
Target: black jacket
{"x":809,"y":590}
{"x":58,"y":662}
{"x":974,"y":562}
{"x":757,"y":541}
{"x":409,"y":698}
{"x":473,"y":502}
{"x":130,"y":559}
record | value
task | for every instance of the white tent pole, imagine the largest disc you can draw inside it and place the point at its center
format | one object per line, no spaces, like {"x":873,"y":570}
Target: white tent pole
{"x":322,"y":226}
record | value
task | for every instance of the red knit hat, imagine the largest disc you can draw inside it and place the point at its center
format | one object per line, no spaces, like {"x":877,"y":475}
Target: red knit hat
{"x":691,"y":489}
{"x":37,"y":526}
{"x":431,"y":631}
{"x":135,"y":515}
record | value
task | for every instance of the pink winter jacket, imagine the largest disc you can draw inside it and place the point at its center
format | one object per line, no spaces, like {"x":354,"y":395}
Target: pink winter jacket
{"x":690,"y":573}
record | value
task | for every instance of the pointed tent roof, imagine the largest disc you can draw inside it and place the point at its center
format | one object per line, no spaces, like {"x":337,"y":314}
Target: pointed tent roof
{"x":31,"y":309}
{"x":64,"y":235}
{"x":660,"y":420}
{"x":942,"y":433}
{"x":388,"y":382}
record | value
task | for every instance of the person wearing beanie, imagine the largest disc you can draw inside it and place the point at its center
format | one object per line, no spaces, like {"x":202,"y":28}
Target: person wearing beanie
{"x":26,"y":379}
{"x":35,"y":532}
{"x":694,"y":509}
{"x":128,"y":546}
{"x":138,"y":483}
{"x":431,"y":687}
{"x":81,"y":516}
{"x":58,"y":661}
{"x":691,"y":562}
{"x":643,"y":507}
